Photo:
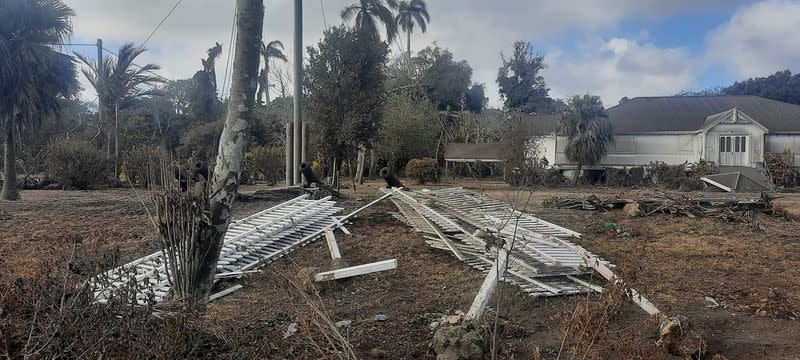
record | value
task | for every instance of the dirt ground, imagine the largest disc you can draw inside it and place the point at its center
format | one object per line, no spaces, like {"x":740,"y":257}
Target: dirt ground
{"x":675,"y":262}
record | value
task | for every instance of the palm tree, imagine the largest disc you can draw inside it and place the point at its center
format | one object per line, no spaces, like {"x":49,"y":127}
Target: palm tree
{"x":272,"y":50}
{"x":367,"y":14}
{"x":120,"y":82}
{"x":588,"y":131}
{"x":34,"y":74}
{"x":409,"y":13}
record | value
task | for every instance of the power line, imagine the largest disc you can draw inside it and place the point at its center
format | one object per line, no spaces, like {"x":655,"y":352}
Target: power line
{"x":161,"y":23}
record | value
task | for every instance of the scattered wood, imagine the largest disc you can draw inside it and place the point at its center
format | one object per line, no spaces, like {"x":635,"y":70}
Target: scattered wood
{"x":724,"y":208}
{"x":356,"y":270}
{"x":333,"y":247}
{"x":488,"y":286}
{"x":224,"y":292}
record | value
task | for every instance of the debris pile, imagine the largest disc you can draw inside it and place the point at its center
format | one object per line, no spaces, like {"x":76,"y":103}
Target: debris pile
{"x":477,"y":228}
{"x":724,"y":208}
{"x":506,"y":244}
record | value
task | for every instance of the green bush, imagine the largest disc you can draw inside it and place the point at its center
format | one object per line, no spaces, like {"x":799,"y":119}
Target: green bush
{"x":264,"y":163}
{"x":76,"y":164}
{"x":143,"y":164}
{"x":422,"y":170}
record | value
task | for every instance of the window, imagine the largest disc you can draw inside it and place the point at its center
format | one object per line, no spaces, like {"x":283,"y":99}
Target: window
{"x":733,"y":144}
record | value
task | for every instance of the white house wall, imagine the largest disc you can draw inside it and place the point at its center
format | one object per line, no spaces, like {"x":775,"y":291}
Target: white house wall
{"x":635,"y":150}
{"x":776,"y":143}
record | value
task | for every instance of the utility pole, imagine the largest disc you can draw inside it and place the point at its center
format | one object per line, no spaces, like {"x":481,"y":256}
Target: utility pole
{"x":298,"y":90}
{"x":289,"y":151}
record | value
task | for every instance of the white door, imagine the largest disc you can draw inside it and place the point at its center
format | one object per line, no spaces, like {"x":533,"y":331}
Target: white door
{"x":733,"y":150}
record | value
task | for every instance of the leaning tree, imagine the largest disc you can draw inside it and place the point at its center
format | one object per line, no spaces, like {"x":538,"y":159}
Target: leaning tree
{"x":588,"y":131}
{"x":34,"y":74}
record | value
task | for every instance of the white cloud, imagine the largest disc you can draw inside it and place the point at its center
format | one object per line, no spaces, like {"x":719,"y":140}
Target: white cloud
{"x":759,"y":39}
{"x":620,"y":67}
{"x":475,"y":30}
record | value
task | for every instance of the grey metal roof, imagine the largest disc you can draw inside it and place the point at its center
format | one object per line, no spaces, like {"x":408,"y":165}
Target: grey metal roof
{"x":469,"y":152}
{"x":689,"y":113}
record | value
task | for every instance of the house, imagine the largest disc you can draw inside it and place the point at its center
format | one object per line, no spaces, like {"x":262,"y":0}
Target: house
{"x":728,"y":130}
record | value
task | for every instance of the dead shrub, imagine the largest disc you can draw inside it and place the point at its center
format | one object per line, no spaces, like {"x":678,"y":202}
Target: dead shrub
{"x":780,"y":170}
{"x":51,"y":314}
{"x":422,"y":170}
{"x":625,"y":177}
{"x":264,"y":163}
{"x":588,"y":334}
{"x":76,"y":164}
{"x":143,"y":164}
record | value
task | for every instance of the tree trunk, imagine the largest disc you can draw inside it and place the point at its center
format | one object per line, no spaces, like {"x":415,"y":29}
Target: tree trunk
{"x":266,"y":80}
{"x":116,"y":142}
{"x":10,"y":167}
{"x":362,"y":154}
{"x":408,"y":45}
{"x":373,"y":162}
{"x":225,"y":180}
{"x":577,"y":174}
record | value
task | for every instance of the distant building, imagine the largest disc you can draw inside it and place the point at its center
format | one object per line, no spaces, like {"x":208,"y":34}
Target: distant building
{"x":728,"y":130}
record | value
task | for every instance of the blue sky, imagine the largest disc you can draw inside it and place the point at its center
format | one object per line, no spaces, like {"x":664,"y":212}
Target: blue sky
{"x":612,"y":48}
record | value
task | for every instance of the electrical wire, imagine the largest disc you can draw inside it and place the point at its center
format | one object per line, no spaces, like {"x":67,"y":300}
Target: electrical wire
{"x":161,"y":23}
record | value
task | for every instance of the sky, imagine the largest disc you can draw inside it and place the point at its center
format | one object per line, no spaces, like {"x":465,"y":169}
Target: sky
{"x":611,"y":48}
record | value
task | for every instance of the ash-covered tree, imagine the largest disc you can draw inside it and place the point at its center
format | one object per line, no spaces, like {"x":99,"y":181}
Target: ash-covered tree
{"x":588,"y":131}
{"x":444,"y":80}
{"x":521,"y":85}
{"x":475,"y":99}
{"x":781,"y":86}
{"x":34,"y":75}
{"x":119,"y":81}
{"x":369,"y":15}
{"x":204,"y":102}
{"x":410,"y":13}
{"x":345,"y":85}
{"x":271,"y":50}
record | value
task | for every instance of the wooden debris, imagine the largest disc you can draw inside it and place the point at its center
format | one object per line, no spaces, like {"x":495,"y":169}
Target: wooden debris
{"x":723,"y":208}
{"x":356,"y":270}
{"x":224,"y":292}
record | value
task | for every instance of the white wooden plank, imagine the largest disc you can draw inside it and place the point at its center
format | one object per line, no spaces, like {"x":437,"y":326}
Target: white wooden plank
{"x":356,"y":270}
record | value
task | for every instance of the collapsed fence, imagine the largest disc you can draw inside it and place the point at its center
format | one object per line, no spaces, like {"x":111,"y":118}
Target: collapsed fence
{"x":504,"y":243}
{"x":257,"y":239}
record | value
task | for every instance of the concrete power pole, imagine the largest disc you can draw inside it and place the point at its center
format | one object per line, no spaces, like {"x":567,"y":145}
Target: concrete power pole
{"x":298,"y":90}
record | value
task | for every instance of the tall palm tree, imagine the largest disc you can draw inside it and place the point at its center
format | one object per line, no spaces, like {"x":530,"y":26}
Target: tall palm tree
{"x":368,"y":13}
{"x":34,"y":75}
{"x":588,"y":131}
{"x":272,"y":50}
{"x":409,"y":13}
{"x":120,"y":82}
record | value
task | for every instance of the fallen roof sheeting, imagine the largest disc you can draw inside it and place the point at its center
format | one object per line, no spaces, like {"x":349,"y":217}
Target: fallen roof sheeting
{"x":257,"y":239}
{"x":734,"y":182}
